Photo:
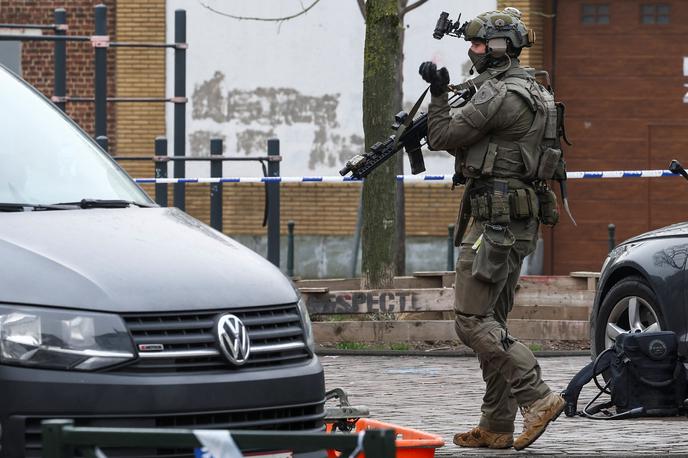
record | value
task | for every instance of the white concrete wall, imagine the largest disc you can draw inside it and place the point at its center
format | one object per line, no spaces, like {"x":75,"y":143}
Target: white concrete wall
{"x":299,"y":80}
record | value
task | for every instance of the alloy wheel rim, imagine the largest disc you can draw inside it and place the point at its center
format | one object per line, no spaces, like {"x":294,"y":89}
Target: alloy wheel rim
{"x":631,"y":313}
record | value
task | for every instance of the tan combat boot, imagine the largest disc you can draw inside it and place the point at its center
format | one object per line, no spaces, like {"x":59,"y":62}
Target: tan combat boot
{"x":536,"y":417}
{"x":480,"y":437}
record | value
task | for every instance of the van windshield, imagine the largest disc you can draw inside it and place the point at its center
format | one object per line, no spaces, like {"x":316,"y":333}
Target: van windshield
{"x":45,"y":158}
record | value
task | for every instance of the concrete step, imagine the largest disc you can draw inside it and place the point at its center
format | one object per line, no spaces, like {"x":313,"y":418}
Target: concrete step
{"x":443,"y":279}
{"x":550,"y":312}
{"x":442,"y":330}
{"x":554,"y":298}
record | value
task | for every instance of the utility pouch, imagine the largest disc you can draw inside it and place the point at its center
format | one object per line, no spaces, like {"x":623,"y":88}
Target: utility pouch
{"x":475,"y":158}
{"x":549,"y":210}
{"x":500,"y":211}
{"x":549,"y":160}
{"x":491,"y":258}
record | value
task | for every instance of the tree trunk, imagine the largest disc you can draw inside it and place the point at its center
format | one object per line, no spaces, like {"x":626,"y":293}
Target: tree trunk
{"x":400,"y":261}
{"x":381,"y":101}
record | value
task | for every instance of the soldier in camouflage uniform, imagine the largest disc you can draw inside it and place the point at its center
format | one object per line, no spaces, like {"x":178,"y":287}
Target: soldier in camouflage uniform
{"x":503,"y":148}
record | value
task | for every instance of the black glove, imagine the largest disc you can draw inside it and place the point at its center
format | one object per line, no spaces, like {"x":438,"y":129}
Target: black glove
{"x":438,"y":79}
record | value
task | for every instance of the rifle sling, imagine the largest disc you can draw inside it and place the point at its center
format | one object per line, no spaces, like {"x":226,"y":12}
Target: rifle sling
{"x":478,"y":81}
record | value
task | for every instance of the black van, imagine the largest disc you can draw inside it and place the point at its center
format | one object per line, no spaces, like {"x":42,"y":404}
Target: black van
{"x":116,"y":312}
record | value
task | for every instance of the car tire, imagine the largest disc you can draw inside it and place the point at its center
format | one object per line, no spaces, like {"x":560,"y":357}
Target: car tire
{"x":629,"y":305}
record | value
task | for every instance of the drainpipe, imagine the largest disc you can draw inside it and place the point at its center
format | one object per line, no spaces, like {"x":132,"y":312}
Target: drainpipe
{"x":555,"y":5}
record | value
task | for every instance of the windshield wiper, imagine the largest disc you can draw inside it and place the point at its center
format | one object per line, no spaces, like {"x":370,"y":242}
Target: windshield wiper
{"x":104,"y":203}
{"x":20,"y":207}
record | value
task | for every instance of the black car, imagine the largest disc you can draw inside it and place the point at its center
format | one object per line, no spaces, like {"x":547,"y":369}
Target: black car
{"x":116,"y":312}
{"x":642,"y":288}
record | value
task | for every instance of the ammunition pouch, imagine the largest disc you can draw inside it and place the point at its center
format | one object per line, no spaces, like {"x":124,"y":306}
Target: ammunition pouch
{"x":486,"y":205}
{"x":480,"y":207}
{"x":500,"y":211}
{"x":524,"y":203}
{"x":549,"y":210}
{"x":491,"y":258}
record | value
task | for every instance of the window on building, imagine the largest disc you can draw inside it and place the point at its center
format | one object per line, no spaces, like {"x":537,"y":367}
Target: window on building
{"x":654,"y":13}
{"x":597,"y":13}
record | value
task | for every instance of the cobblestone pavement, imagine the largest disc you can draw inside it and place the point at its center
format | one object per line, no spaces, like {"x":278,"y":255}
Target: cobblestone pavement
{"x":442,"y":395}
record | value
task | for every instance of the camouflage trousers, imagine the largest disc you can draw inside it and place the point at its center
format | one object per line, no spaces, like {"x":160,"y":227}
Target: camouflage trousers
{"x":511,"y":372}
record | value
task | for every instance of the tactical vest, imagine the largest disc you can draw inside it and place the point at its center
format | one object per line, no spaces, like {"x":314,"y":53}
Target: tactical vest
{"x":535,"y":156}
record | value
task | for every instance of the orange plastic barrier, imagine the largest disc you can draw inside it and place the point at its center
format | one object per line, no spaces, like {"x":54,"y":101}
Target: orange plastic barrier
{"x":410,"y":443}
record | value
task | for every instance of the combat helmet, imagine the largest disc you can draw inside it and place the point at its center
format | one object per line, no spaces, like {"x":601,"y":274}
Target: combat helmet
{"x":505,"y":24}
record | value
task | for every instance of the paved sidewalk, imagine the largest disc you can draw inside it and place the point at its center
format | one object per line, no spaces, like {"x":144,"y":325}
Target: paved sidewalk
{"x":443,"y":395}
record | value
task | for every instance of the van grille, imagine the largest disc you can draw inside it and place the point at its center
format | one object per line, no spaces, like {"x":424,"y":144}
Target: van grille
{"x":189,"y":343}
{"x":308,"y":417}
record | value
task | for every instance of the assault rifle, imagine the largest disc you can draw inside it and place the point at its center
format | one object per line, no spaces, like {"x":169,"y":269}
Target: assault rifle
{"x":410,"y":135}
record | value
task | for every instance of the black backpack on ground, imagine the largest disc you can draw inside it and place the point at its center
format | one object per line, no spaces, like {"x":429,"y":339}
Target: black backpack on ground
{"x":646,"y":377}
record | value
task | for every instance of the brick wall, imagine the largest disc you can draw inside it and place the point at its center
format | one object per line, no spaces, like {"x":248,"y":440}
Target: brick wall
{"x":140,"y":73}
{"x":37,"y":57}
{"x":322,"y":209}
{"x":533,"y":16}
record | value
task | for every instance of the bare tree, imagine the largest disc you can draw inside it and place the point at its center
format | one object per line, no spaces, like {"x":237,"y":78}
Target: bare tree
{"x":304,"y":10}
{"x":383,"y":233}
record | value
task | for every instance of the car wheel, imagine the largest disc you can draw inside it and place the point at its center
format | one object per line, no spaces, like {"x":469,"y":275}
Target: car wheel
{"x":630,"y":305}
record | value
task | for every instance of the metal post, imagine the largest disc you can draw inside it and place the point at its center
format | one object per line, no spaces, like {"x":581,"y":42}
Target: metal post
{"x":357,"y":235}
{"x":161,"y":171}
{"x":273,"y":196}
{"x":60,"y":78}
{"x":450,"y":247}
{"x":103,"y":142}
{"x":290,"y":248}
{"x":179,"y":107}
{"x":216,"y":188}
{"x":101,"y":74}
{"x":612,"y":239}
{"x":53,"y":445}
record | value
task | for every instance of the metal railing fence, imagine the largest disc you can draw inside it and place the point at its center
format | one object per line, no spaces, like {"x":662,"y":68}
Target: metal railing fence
{"x":61,"y":439}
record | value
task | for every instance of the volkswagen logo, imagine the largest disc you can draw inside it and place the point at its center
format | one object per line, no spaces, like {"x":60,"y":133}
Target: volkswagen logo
{"x":233,"y":339}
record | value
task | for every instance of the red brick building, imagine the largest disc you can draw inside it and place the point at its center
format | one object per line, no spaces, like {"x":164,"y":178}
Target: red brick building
{"x":619,"y":65}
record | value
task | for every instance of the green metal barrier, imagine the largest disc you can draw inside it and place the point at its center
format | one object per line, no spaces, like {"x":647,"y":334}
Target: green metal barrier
{"x":61,"y":439}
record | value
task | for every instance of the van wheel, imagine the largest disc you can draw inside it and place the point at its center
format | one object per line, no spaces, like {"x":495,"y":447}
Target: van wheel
{"x":630,"y":305}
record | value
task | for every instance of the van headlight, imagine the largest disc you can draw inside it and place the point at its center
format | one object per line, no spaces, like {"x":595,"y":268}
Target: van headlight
{"x":62,"y":339}
{"x":307,"y":326}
